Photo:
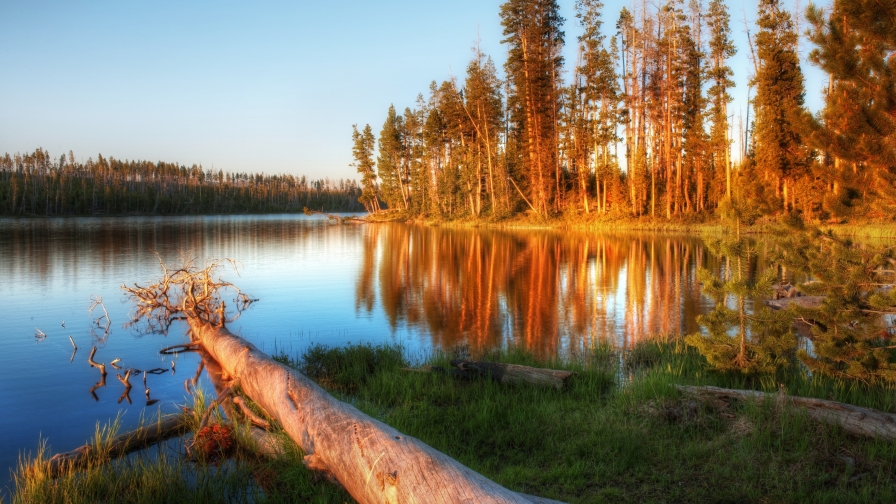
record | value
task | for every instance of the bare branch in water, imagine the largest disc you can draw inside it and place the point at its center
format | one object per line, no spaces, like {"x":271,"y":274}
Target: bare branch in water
{"x":187,"y":291}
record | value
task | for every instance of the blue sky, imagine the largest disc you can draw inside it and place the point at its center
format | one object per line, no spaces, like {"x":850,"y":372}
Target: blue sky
{"x":271,"y":86}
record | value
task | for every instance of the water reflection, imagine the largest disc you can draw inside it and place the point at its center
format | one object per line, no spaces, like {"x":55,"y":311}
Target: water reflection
{"x":548,"y":291}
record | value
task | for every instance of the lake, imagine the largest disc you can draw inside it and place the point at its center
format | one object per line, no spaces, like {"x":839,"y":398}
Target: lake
{"x":552,"y":292}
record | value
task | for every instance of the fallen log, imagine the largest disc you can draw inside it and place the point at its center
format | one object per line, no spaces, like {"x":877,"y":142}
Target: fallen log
{"x":373,"y":461}
{"x":123,"y":444}
{"x":514,"y":373}
{"x":801,"y":301}
{"x":852,"y":419}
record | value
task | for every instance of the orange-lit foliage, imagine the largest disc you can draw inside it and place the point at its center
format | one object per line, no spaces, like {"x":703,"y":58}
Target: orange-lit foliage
{"x":212,"y":443}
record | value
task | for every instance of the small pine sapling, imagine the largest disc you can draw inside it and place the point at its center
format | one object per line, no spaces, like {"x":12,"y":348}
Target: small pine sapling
{"x":749,"y":341}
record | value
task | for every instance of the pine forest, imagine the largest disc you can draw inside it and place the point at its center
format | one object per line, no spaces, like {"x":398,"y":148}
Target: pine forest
{"x":642,"y":125}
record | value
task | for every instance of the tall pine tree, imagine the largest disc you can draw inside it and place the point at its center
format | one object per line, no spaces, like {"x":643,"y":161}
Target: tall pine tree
{"x":780,"y":153}
{"x":534,"y":62}
{"x":363,"y":145}
{"x":855,"y":42}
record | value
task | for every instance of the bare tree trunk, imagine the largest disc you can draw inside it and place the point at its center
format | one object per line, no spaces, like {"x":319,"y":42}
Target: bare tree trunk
{"x":374,"y":462}
{"x":853,"y":419}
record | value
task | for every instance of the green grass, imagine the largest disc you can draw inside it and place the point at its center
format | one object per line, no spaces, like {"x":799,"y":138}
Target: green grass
{"x":626,"y":437}
{"x":163,"y":474}
{"x":618,"y":433}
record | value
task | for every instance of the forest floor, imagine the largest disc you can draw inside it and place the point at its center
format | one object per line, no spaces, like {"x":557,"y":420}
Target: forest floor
{"x":619,"y":432}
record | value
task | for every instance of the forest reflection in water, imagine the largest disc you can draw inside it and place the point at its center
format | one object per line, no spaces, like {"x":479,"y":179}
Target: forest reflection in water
{"x":547,"y":291}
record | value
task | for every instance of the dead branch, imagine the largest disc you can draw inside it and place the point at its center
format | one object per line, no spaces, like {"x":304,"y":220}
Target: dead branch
{"x":176,"y":349}
{"x":121,"y":445}
{"x":126,"y":380}
{"x":250,"y":415}
{"x":73,"y":342}
{"x":223,"y":396}
{"x":852,"y":419}
{"x":101,"y":367}
{"x":40,"y":335}
{"x":513,"y":373}
{"x":103,"y":321}
{"x":188,"y":291}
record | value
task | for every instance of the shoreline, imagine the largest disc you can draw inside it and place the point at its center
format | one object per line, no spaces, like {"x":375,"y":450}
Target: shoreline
{"x":712,"y":226}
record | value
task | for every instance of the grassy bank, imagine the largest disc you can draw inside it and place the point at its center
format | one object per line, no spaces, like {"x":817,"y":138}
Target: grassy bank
{"x":707,"y":224}
{"x":619,"y":433}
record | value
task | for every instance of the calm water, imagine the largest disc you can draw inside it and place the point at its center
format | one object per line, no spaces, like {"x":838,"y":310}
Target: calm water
{"x":552,"y":292}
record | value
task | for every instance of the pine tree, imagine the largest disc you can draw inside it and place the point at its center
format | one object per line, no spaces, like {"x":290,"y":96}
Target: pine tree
{"x":721,"y":48}
{"x":485,"y":110}
{"x":762,"y":340}
{"x":850,"y":337}
{"x":534,"y":62}
{"x":597,"y":83}
{"x":855,"y":42}
{"x":363,"y":148}
{"x":390,"y":161}
{"x":780,"y":152}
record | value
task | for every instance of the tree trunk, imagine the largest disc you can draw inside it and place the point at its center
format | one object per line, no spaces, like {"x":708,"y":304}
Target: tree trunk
{"x":853,"y":419}
{"x":122,"y":444}
{"x":374,"y":462}
{"x":513,"y":373}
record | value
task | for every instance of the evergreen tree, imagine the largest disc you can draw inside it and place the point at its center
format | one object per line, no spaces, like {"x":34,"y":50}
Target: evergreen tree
{"x":600,"y":98}
{"x":534,"y":62}
{"x":855,"y":41}
{"x":851,"y":338}
{"x":391,"y":161}
{"x":719,"y":74}
{"x":737,"y":339}
{"x":485,"y":110}
{"x":363,"y":147}
{"x":780,"y":153}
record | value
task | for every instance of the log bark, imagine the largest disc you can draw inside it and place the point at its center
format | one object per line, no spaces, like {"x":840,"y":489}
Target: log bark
{"x":123,"y":444}
{"x":853,"y":419}
{"x":514,"y":373}
{"x":373,"y":461}
{"x":803,"y":301}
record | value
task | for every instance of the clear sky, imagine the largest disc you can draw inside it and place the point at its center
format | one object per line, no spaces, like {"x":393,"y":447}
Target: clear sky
{"x":257,"y":87}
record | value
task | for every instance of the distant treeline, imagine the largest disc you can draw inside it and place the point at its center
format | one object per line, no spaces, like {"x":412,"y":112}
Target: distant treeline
{"x":37,"y":184}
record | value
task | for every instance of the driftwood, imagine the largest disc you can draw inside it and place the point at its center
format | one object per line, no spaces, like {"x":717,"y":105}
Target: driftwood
{"x":504,"y":373}
{"x":122,"y":444}
{"x":101,"y":367}
{"x":373,"y":461}
{"x":801,"y":301}
{"x":852,"y":419}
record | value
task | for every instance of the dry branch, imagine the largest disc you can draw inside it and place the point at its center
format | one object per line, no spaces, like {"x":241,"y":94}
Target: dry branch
{"x":801,"y":301}
{"x":514,"y":373}
{"x":121,"y":445}
{"x":250,"y":415}
{"x":853,"y":419}
{"x":187,"y":292}
{"x":101,"y":367}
